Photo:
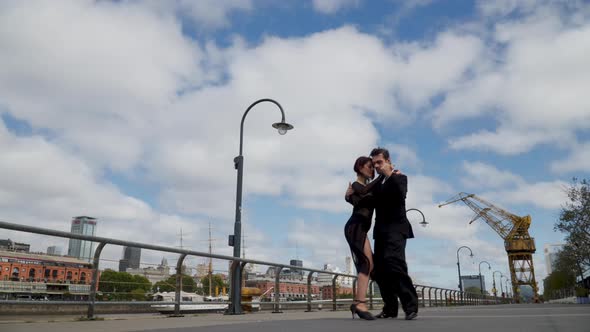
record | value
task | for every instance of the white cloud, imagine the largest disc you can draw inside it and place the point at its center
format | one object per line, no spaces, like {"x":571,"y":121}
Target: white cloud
{"x":534,"y":90}
{"x":577,"y":161}
{"x":206,"y":14}
{"x":333,"y":6}
{"x":480,"y":175}
{"x":504,"y":187}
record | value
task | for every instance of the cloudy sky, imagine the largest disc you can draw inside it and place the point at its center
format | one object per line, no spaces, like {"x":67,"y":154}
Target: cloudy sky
{"x":129,"y":111}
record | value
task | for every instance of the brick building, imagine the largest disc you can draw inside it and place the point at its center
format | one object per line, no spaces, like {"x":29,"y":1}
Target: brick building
{"x":43,"y":275}
{"x":288,"y":289}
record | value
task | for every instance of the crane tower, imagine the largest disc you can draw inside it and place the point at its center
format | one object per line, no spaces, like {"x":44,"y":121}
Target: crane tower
{"x":519,"y":245}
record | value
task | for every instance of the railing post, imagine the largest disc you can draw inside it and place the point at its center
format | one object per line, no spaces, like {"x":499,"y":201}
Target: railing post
{"x":235,"y":306}
{"x":334,"y":295}
{"x":429,"y":297}
{"x":354,"y":281}
{"x":423,"y":302}
{"x":177,"y":295}
{"x":309,"y":277}
{"x":446,"y":297}
{"x":435,"y":298}
{"x":94,"y":281}
{"x":277,"y":305}
{"x":371,"y":294}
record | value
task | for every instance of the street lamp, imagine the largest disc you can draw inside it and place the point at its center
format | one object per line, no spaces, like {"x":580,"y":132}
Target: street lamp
{"x":423,"y":223}
{"x":459,"y":265}
{"x":480,"y":280}
{"x":494,"y":277}
{"x":234,"y":240}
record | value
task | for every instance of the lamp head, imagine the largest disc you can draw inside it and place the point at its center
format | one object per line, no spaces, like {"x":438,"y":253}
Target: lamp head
{"x":424,"y":223}
{"x":282,"y":127}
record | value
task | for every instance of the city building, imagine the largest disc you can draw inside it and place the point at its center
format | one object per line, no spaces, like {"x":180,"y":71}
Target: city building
{"x":296,"y":262}
{"x":161,"y":272}
{"x":131,"y":259}
{"x":43,"y":276}
{"x":551,"y":251}
{"x":10,"y":245}
{"x":54,"y":250}
{"x":289,"y":289}
{"x":78,"y":248}
{"x":349,"y":264}
{"x":470,"y":281}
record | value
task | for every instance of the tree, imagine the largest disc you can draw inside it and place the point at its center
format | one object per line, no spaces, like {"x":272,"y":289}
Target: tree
{"x":569,"y":260}
{"x":217,"y":281}
{"x":574,"y":220}
{"x":557,"y":281}
{"x":169,"y":285}
{"x":473,"y":289}
{"x":119,"y":285}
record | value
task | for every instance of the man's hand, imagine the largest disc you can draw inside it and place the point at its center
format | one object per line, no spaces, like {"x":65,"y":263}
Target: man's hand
{"x":349,"y":191}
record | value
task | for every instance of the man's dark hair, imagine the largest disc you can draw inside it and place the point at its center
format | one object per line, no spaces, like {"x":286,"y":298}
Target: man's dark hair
{"x":380,"y":151}
{"x":360,"y":162}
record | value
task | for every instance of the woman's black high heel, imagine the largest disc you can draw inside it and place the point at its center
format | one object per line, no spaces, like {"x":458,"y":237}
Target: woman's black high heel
{"x":362,"y":314}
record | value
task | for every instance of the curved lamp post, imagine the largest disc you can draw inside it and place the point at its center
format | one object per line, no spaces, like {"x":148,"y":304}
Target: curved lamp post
{"x":459,"y":265}
{"x":494,"y":277}
{"x":423,"y":223}
{"x":234,"y":240}
{"x":480,"y":280}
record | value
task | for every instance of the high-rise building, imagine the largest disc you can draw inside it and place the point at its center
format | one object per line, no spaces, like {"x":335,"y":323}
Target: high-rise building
{"x":83,"y":250}
{"x":54,"y":250}
{"x":296,"y":262}
{"x":551,"y":251}
{"x":131,"y":258}
{"x":349,"y":265}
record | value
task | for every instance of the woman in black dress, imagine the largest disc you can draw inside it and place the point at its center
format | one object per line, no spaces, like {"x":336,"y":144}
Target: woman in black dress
{"x":356,"y":230}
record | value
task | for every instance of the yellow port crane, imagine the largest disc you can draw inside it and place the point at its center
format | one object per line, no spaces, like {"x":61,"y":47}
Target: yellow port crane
{"x":514,"y":229}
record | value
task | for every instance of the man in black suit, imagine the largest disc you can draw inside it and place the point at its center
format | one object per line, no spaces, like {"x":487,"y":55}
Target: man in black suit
{"x":390,"y":232}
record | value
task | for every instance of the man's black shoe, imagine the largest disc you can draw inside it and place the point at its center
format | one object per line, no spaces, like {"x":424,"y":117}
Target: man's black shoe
{"x":384,"y":314}
{"x":411,"y":315}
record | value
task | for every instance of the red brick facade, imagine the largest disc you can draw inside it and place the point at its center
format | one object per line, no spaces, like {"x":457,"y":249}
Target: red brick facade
{"x":15,"y":266}
{"x":290,"y":289}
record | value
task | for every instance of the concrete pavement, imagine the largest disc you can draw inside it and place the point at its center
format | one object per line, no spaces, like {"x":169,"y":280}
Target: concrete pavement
{"x":536,"y":318}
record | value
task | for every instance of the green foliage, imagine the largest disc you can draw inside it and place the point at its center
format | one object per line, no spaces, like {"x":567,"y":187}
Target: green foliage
{"x":574,"y":221}
{"x":581,"y":292}
{"x":216,"y":281}
{"x":556,"y":282}
{"x":122,"y":285}
{"x":473,"y":289}
{"x":169,"y":285}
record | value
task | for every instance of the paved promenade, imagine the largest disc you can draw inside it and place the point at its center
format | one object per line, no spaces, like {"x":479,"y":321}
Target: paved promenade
{"x":536,"y":318}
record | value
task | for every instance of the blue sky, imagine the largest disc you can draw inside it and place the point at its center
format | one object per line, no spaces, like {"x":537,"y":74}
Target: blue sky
{"x":129,"y":111}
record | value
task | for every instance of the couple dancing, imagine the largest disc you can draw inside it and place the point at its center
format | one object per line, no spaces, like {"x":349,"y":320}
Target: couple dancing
{"x":387,"y":266}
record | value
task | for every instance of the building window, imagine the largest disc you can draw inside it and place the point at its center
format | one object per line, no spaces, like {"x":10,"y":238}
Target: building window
{"x":15,"y":273}
{"x":69,"y":275}
{"x":54,"y":273}
{"x":83,"y":276}
{"x":31,"y":274}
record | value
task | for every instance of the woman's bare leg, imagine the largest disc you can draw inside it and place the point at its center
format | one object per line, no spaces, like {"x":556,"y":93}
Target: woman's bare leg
{"x":363,"y":279}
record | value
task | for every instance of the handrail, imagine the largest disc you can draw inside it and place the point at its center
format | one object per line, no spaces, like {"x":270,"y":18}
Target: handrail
{"x":235,"y":304}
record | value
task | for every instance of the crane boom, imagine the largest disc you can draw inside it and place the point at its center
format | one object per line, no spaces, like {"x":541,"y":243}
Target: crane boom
{"x":519,"y":245}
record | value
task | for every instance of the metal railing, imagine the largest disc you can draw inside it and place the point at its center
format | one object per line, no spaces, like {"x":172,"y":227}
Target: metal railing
{"x":451,"y":297}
